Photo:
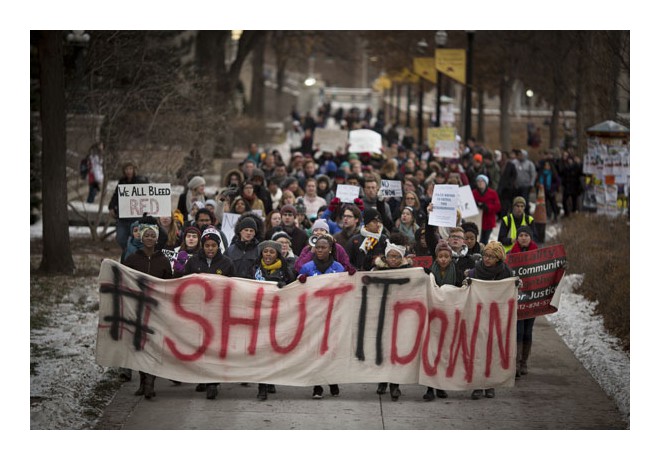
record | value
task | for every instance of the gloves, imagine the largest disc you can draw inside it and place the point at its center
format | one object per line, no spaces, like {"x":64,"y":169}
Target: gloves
{"x":484,"y":206}
{"x":334,"y":204}
{"x":359,"y":203}
{"x":281,"y":284}
{"x":351,"y":270}
{"x":302,"y":278}
{"x":180,"y":261}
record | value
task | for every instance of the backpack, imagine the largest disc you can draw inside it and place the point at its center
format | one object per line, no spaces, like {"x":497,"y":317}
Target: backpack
{"x":84,"y":167}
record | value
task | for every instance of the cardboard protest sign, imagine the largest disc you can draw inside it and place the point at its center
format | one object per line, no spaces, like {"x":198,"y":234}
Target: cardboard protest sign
{"x":466,"y":202}
{"x":444,"y":143}
{"x":386,"y":326}
{"x":331,"y":140}
{"x":540,"y":271}
{"x":136,"y":199}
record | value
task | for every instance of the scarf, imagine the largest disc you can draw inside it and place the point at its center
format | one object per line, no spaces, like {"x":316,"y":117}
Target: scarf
{"x":322,"y":266}
{"x":450,"y":274}
{"x":272,"y":267}
{"x":370,"y":239}
{"x":482,"y":272}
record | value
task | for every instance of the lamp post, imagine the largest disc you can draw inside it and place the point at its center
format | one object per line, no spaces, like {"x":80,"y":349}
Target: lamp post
{"x":440,"y":42}
{"x":468,"y":86}
{"x":422,"y":47}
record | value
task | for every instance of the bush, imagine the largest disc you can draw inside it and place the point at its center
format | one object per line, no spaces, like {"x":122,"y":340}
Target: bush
{"x":597,"y":247}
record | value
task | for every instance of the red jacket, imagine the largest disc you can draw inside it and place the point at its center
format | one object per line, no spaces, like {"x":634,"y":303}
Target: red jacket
{"x":492,"y":206}
{"x":516,"y":247}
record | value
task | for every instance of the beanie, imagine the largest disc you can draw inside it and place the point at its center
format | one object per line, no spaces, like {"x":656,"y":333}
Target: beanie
{"x":525,"y":229}
{"x":280,"y":234}
{"x":478,"y":157}
{"x":483,"y":177}
{"x":192,"y":230}
{"x":442,"y":246}
{"x":248,"y":222}
{"x":519,"y":199}
{"x":371,"y":214}
{"x":395,"y":247}
{"x":196,"y":182}
{"x":211,"y":233}
{"x":321,"y":223}
{"x":288,"y":208}
{"x":497,"y":249}
{"x":270,"y":244}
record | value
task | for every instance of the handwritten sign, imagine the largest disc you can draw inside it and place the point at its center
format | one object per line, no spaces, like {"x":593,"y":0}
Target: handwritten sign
{"x":389,"y":326}
{"x":390,"y":188}
{"x":331,"y":140}
{"x":445,"y":201}
{"x":347,"y":193}
{"x":444,"y":142}
{"x":136,"y":199}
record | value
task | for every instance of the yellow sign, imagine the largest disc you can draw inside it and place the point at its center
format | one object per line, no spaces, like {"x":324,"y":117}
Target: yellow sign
{"x":382,"y":83}
{"x":425,"y":68}
{"x":447,"y":133}
{"x":405,"y":76}
{"x":451,"y":62}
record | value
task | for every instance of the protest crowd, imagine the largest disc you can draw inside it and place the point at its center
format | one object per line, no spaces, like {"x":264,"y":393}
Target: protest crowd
{"x":298,"y":218}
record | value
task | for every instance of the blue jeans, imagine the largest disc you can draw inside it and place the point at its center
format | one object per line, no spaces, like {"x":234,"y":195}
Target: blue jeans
{"x":524,"y":330}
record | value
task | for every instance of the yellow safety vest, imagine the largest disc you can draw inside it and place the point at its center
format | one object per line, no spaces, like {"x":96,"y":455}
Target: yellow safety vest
{"x":513,"y":231}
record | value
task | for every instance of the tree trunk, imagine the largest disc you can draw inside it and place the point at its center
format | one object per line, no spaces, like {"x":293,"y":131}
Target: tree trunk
{"x":481,"y":128}
{"x":258,"y":96}
{"x":506,"y":87}
{"x":57,"y":256}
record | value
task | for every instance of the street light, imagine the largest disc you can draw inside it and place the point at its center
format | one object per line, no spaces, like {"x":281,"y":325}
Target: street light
{"x":422,"y":48}
{"x":440,"y":42}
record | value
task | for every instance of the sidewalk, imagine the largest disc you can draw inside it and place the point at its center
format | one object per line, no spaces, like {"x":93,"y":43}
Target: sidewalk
{"x":557,"y":394}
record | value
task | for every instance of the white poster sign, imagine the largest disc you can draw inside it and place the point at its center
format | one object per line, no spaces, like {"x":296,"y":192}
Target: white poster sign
{"x":445,"y":202}
{"x":364,"y":140}
{"x":136,"y":199}
{"x":330,"y":140}
{"x":390,"y":326}
{"x":229,"y":224}
{"x":390,"y":188}
{"x":347,"y":193}
{"x":466,"y":202}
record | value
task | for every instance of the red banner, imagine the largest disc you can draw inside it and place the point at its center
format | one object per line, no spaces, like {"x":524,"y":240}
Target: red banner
{"x":540,"y":271}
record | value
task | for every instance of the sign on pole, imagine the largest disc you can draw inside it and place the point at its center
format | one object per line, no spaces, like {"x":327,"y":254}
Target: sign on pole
{"x":136,"y":199}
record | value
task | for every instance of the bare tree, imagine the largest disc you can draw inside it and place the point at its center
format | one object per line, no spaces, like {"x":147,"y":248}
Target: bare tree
{"x":57,"y":256}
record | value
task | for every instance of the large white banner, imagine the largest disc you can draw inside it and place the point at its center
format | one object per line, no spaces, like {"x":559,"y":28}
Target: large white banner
{"x":393,"y":325}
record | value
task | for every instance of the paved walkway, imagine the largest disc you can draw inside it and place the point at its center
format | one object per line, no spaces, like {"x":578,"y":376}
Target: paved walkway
{"x":557,"y":394}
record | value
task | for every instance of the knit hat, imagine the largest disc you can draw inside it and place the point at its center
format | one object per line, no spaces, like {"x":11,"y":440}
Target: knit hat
{"x":321,"y":223}
{"x":442,"y":246}
{"x":483,"y":177}
{"x":371,"y":214}
{"x":478,"y":157}
{"x":519,"y":199}
{"x":270,"y":244}
{"x":248,"y":222}
{"x":280,"y":234}
{"x":192,"y":230}
{"x":145,"y":227}
{"x":496,"y":248}
{"x":212,"y":203}
{"x":211,"y":233}
{"x":288,"y":208}
{"x":525,"y":229}
{"x":395,"y":247}
{"x":300,"y":207}
{"x":196,"y":182}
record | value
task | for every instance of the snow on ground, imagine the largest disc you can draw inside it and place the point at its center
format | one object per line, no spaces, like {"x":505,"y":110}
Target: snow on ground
{"x":67,"y":378}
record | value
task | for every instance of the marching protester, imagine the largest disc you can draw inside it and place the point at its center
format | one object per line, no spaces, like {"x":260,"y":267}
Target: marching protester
{"x":370,"y":243}
{"x":130,"y":176}
{"x":489,"y":203}
{"x":210,"y":260}
{"x":194,"y":191}
{"x":513,"y":221}
{"x":188,"y":248}
{"x":319,"y":228}
{"x":491,"y":267}
{"x":289,"y":225}
{"x":151,"y":261}
{"x":243,"y":250}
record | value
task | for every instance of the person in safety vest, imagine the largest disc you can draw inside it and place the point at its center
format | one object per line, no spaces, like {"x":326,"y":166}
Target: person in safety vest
{"x":512,"y":222}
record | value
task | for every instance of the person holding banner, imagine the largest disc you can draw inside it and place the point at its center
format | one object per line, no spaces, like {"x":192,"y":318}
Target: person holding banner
{"x":151,"y":261}
{"x":393,"y":258}
{"x":243,"y":250}
{"x":488,"y":201}
{"x":491,"y":267}
{"x":210,"y":260}
{"x":370,"y":243}
{"x":444,"y":271}
{"x":271,"y":265}
{"x":322,"y":263}
{"x":188,"y":248}
{"x":319,"y":228}
{"x":524,"y":327}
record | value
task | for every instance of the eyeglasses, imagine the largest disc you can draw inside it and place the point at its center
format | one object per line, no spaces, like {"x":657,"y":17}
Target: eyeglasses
{"x":489,"y":256}
{"x":456,"y":237}
{"x":349,"y":216}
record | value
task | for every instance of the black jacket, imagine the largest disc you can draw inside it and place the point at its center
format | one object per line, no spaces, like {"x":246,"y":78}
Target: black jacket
{"x":220,"y":265}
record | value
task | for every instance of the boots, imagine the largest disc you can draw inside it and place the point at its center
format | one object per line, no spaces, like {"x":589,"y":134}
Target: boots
{"x":428,"y":396}
{"x":394,"y":391}
{"x":211,"y":390}
{"x":262,"y":394}
{"x":140,"y":390}
{"x":382,"y":388}
{"x":526,"y":350}
{"x":519,"y":354}
{"x":149,"y":380}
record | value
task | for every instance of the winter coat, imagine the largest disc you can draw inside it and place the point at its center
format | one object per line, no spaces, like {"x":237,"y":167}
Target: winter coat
{"x":244,"y":254}
{"x":498,"y":272}
{"x":343,"y":238}
{"x":526,"y":173}
{"x":365,"y":260}
{"x":489,"y":203}
{"x":509,"y":229}
{"x":508,"y":178}
{"x":219,"y":265}
{"x":282,"y":276}
{"x":157,"y":265}
{"x":339,"y":254}
{"x":114,"y":201}
{"x":310,"y":269}
{"x":298,"y":236}
{"x":517,"y":248}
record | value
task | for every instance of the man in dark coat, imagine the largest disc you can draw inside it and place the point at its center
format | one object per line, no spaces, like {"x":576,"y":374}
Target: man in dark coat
{"x":130,"y":176}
